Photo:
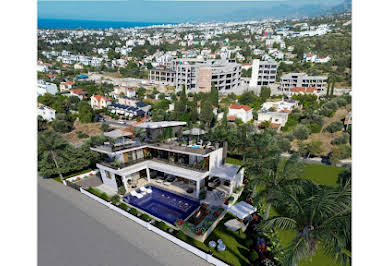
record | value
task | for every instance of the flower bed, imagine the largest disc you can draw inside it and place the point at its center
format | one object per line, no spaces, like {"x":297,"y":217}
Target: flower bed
{"x":203,"y":226}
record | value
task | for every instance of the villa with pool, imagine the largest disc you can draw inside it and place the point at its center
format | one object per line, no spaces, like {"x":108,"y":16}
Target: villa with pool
{"x":170,"y":174}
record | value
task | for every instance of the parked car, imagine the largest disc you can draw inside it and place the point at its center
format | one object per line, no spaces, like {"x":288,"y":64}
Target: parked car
{"x":122,"y":122}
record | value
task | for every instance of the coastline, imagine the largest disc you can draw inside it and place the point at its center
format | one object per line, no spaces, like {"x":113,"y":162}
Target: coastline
{"x":50,"y":23}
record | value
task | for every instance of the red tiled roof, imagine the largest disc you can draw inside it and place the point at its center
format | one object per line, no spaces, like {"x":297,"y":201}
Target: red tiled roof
{"x":238,"y":106}
{"x":78,"y":91}
{"x":68,"y":83}
{"x":231,"y":118}
{"x":310,"y":89}
{"x":99,"y":97}
{"x":275,"y":125}
{"x":303,"y":89}
{"x":286,"y":111}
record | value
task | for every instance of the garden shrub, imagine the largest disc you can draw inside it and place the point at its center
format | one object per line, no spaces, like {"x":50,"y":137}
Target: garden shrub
{"x":145,"y":217}
{"x":122,"y":190}
{"x":115,"y":198}
{"x":105,"y":196}
{"x":62,"y":126}
{"x":161,"y":225}
{"x":249,"y":242}
{"x":105,"y":127}
{"x":315,"y":128}
{"x":133,"y":211}
{"x":123,"y":206}
{"x":253,"y":256}
{"x":334,"y":127}
{"x":82,"y":135}
{"x":301,"y":132}
{"x":343,"y":139}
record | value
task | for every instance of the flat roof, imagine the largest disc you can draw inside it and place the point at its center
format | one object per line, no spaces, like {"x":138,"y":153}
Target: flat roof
{"x":117,"y":133}
{"x":194,"y":131}
{"x":161,"y":124}
{"x":226,"y":171}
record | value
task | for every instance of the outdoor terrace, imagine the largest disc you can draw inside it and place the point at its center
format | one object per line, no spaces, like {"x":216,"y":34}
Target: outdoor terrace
{"x":118,"y":146}
{"x":175,"y":146}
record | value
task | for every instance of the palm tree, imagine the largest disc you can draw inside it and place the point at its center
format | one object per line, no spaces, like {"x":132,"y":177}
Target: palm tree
{"x":259,"y":156}
{"x":281,"y":174}
{"x":320,"y":215}
{"x":49,"y":143}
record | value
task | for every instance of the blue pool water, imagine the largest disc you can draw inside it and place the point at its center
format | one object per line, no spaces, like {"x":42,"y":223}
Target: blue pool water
{"x":164,"y":205}
{"x":195,"y":146}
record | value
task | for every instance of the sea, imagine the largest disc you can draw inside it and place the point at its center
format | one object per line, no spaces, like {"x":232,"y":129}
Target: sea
{"x":48,"y":23}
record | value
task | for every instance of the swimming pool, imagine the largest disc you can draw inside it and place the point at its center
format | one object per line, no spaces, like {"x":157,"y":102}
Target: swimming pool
{"x":195,"y":146}
{"x":164,"y":205}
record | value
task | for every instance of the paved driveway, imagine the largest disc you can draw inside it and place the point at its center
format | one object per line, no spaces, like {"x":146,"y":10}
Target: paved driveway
{"x":76,"y":230}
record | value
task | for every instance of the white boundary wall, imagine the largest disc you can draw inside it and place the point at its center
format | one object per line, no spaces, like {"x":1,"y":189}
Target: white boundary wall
{"x":74,"y":178}
{"x":209,"y":258}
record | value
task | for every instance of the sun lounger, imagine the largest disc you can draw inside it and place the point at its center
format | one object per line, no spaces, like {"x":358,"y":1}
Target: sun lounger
{"x":135,"y":194}
{"x":147,"y":190}
{"x":166,"y":183}
{"x":159,"y":180}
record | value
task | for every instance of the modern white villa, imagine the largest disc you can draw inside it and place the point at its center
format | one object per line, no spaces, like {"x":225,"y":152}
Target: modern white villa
{"x":166,"y":158}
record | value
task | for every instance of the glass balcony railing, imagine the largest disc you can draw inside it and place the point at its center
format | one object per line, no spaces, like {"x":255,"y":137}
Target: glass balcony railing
{"x":120,"y":165}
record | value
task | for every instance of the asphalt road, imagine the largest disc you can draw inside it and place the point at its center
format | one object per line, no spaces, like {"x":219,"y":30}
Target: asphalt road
{"x":74,"y":230}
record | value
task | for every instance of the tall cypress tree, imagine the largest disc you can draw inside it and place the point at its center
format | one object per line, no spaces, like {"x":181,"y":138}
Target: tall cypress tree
{"x":214,"y":95}
{"x":332,"y":87}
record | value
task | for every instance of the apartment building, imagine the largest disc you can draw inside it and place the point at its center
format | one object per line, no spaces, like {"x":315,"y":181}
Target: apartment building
{"x":163,"y":76}
{"x":161,"y":160}
{"x":263,"y":73}
{"x":198,"y":75}
{"x":292,"y":80}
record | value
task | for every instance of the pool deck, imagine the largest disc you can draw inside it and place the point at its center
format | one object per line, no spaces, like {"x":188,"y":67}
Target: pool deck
{"x":145,"y":183}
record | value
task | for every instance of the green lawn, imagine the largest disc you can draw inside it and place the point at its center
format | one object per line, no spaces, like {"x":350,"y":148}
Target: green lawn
{"x":321,"y":174}
{"x":236,"y":252}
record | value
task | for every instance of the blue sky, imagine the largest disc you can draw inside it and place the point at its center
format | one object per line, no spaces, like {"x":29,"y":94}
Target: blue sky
{"x":173,"y":10}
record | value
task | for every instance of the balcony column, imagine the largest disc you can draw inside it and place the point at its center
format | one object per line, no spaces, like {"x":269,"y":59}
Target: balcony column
{"x":197,"y":189}
{"x":231,"y":187}
{"x":148,"y":174}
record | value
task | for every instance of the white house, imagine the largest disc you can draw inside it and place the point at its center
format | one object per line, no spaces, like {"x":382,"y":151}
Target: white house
{"x":78,"y":92}
{"x":99,"y":102}
{"x":128,"y":92}
{"x":242,"y":112}
{"x":65,"y":86}
{"x":46,"y":87}
{"x":41,"y":67}
{"x":277,"y":120}
{"x":280,"y":106}
{"x":46,"y":112}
